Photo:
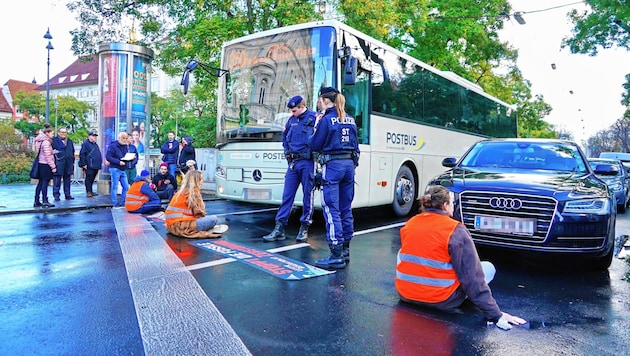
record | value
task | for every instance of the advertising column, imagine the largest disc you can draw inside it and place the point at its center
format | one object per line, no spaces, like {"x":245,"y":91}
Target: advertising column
{"x":125,"y":104}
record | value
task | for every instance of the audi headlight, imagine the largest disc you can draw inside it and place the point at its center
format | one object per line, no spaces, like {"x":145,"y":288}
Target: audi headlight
{"x":587,"y":206}
{"x":616,"y":186}
{"x":220,"y":172}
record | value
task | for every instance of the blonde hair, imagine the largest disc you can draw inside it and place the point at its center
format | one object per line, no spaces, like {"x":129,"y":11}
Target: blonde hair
{"x":191,"y":184}
{"x":339,"y":101}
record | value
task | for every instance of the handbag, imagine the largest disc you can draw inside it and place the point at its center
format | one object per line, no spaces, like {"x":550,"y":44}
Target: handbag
{"x":35,"y":168}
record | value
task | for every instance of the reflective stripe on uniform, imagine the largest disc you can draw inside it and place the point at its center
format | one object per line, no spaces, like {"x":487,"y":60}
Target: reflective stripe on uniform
{"x":434,"y":282}
{"x":425,"y":261}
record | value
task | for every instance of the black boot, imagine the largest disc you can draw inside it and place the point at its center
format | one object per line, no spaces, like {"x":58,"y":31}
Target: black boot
{"x":302,"y":235}
{"x":37,"y":204}
{"x":46,"y":204}
{"x":345,"y":252}
{"x":334,"y":261}
{"x":276,"y":234}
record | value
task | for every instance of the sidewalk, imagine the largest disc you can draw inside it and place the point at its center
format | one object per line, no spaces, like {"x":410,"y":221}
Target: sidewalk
{"x":19,"y":198}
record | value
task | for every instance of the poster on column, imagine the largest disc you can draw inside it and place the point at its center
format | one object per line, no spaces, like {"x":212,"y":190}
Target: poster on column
{"x":109,"y":102}
{"x":123,"y":92}
{"x":139,"y":106}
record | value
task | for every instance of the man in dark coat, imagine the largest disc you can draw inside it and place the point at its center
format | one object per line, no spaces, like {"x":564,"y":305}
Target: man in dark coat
{"x":63,"y":149}
{"x":90,"y":160}
{"x":170,"y":151}
{"x":165,"y":183}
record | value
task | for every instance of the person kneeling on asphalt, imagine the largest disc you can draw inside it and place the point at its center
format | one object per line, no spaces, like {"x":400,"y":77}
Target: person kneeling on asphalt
{"x":141,"y":198}
{"x":165,"y":183}
{"x":438,"y":265}
{"x":185,"y":215}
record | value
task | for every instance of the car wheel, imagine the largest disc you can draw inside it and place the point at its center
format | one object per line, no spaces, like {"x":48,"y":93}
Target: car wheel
{"x":405,"y":192}
{"x":602,"y":263}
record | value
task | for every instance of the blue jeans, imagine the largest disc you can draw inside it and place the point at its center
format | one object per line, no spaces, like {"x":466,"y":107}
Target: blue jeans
{"x":207,"y":222}
{"x":172,"y":167}
{"x":118,"y":175}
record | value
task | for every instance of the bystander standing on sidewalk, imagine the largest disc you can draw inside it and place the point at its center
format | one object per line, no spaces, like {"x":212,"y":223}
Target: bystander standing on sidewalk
{"x":117,"y":157}
{"x":63,"y":150}
{"x":170,"y":152}
{"x":91,"y":161}
{"x":46,"y":165}
{"x":131,"y":165}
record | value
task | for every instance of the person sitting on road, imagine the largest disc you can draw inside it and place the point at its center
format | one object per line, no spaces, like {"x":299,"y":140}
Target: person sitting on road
{"x":438,"y":265}
{"x":185,"y":215}
{"x":165,"y":183}
{"x":140,"y":197}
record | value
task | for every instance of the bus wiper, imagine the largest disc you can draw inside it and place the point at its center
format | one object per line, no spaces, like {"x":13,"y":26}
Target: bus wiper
{"x":192,"y":64}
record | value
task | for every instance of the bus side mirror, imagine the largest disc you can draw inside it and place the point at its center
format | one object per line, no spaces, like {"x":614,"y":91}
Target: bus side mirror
{"x":350,"y":77}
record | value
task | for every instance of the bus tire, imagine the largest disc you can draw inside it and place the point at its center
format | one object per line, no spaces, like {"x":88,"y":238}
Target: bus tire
{"x":404,"y":192}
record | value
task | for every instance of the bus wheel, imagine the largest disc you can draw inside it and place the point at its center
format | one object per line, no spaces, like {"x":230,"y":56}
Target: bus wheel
{"x":405,"y":192}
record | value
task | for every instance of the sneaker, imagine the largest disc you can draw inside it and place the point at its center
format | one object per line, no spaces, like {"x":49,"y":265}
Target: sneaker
{"x":219,"y":229}
{"x":57,"y":199}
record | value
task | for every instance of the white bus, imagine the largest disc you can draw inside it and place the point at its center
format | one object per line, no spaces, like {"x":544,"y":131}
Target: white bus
{"x":409,"y":115}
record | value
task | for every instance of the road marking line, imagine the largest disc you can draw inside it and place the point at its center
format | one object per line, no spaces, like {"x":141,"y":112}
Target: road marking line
{"x":175,"y":315}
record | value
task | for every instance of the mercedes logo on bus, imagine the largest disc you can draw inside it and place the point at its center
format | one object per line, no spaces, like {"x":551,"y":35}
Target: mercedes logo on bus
{"x":506,"y":203}
{"x":257,"y":175}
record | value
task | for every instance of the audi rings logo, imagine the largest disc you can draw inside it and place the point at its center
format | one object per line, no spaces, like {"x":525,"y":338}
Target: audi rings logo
{"x":506,"y":203}
{"x":257,"y":175}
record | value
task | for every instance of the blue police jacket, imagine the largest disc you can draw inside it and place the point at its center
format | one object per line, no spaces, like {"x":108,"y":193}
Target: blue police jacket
{"x":297,"y":132}
{"x":335,"y":136}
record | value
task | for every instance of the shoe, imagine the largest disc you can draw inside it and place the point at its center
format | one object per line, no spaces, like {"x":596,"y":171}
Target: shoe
{"x":89,"y":194}
{"x":345,"y":252}
{"x":57,"y":199}
{"x":219,"y":229}
{"x":334,"y":260}
{"x":69,"y":198}
{"x":37,"y":204}
{"x":277,"y":234}
{"x":94,"y":194}
{"x":302,"y":235}
{"x":47,"y":205}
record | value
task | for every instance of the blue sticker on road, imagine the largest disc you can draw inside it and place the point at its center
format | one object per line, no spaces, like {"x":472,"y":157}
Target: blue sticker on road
{"x":277,"y":265}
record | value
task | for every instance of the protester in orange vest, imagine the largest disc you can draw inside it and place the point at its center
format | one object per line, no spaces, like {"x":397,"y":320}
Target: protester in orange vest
{"x":438,"y":265}
{"x":140,"y":197}
{"x":185,"y":215}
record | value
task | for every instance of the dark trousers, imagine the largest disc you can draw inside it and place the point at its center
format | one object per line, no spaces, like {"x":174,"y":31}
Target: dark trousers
{"x":167,"y":193}
{"x":57,"y":185}
{"x":45,"y":175}
{"x":90,"y":176}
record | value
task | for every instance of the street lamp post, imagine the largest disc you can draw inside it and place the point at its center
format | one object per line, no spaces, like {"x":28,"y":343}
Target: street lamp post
{"x":56,"y":112}
{"x":49,"y":47}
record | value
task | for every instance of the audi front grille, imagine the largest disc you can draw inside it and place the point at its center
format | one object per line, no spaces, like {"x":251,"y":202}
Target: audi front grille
{"x":497,"y":204}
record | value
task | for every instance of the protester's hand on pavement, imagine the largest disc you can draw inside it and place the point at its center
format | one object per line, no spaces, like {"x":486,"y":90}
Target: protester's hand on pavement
{"x":506,"y":321}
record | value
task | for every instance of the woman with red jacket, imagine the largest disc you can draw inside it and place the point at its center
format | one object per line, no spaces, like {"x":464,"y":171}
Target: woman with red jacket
{"x":46,"y":162}
{"x":438,"y":265}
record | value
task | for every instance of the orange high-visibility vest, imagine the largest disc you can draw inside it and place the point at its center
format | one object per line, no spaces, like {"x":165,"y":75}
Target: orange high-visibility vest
{"x":177,"y":210}
{"x":135,"y":199}
{"x":424,"y":272}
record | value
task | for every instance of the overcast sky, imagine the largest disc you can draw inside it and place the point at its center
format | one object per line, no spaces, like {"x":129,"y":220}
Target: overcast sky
{"x":595,"y":81}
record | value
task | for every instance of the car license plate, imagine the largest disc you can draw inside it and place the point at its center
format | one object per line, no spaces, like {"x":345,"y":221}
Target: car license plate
{"x":257,"y":194}
{"x":517,"y":226}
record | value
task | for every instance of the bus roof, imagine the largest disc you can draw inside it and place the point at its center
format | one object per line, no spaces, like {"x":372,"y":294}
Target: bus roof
{"x":340,"y":25}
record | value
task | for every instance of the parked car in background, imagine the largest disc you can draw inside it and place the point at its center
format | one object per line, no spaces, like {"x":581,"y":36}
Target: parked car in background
{"x":533,"y":195}
{"x":618,"y":183}
{"x":622,"y":156}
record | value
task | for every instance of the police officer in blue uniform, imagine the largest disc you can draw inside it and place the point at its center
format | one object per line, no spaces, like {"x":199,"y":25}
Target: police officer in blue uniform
{"x":336,"y":148}
{"x":297,"y":131}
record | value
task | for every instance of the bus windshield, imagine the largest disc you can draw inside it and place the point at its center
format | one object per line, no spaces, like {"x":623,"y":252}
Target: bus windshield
{"x":264,"y":73}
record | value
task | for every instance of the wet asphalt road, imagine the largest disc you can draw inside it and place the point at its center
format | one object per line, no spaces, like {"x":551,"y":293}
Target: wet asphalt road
{"x":64,"y":289}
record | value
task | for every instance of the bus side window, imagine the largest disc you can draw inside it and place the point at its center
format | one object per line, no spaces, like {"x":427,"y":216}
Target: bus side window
{"x":357,"y":104}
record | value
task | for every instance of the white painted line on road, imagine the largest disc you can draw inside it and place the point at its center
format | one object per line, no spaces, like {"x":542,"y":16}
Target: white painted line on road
{"x":175,"y":315}
{"x":248,"y":212}
{"x":380,"y":228}
{"x":228,"y":260}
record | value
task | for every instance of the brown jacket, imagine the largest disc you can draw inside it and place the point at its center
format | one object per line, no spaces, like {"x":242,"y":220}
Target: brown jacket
{"x":188,"y":228}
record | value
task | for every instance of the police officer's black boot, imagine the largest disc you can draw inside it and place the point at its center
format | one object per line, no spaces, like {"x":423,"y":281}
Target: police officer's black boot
{"x":302,"y":235}
{"x":345,"y":252}
{"x":334,"y":261}
{"x":276,"y":234}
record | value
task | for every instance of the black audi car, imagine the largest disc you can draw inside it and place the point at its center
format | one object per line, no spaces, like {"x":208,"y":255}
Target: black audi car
{"x":536,"y":195}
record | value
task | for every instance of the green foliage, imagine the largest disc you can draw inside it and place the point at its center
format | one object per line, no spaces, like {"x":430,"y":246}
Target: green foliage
{"x":28,"y":129}
{"x":15,"y":157}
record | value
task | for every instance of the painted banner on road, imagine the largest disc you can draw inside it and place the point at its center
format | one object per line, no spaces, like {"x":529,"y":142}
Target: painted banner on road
{"x":279,"y":266}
